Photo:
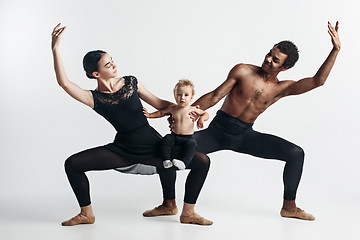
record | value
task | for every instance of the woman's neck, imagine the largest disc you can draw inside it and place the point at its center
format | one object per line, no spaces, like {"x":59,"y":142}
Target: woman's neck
{"x":108,"y":85}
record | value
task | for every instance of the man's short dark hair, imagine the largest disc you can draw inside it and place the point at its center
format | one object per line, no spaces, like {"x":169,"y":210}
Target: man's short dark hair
{"x":291,"y":50}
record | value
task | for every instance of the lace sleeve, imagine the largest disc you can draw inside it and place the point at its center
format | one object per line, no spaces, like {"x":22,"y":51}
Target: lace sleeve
{"x":133,"y":82}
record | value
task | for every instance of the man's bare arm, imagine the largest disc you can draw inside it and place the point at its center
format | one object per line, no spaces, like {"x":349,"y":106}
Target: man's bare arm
{"x":307,"y":84}
{"x":210,"y":99}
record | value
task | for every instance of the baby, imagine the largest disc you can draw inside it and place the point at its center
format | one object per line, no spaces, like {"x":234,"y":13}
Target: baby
{"x":183,"y":128}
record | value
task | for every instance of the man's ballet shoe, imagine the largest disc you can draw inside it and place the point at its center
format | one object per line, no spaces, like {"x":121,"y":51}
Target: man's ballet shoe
{"x":160,"y":211}
{"x":194,"y":219}
{"x":297,"y":213}
{"x":79,"y":219}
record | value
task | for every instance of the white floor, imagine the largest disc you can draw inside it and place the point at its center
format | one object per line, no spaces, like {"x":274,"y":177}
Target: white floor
{"x":32,"y":218}
{"x":243,"y":201}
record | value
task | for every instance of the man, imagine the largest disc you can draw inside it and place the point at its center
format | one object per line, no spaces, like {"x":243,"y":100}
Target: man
{"x":249,"y":91}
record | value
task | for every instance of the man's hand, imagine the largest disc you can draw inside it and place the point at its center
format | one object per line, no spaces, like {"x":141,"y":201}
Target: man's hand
{"x":333,"y":32}
{"x":193,"y":115}
{"x":171,"y":121}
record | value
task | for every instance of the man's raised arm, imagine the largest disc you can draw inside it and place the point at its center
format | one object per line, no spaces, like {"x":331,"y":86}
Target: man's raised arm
{"x":210,"y":99}
{"x":307,"y":84}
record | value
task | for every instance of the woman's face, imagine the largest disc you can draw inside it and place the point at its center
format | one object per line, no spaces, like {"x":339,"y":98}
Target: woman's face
{"x":106,"y":67}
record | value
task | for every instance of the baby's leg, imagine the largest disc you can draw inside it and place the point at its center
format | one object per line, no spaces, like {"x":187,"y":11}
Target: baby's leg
{"x":167,"y":143}
{"x":188,"y":146}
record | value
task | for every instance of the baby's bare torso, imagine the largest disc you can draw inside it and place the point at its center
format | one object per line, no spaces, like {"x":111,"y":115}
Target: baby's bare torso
{"x":183,"y":124}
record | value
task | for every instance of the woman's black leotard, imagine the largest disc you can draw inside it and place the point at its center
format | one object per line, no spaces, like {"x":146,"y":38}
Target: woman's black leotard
{"x":135,"y":142}
{"x":135,"y":139}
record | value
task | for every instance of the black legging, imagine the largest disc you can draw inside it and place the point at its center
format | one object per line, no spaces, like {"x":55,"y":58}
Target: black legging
{"x":187,"y":143}
{"x":101,"y":158}
{"x":229,"y":133}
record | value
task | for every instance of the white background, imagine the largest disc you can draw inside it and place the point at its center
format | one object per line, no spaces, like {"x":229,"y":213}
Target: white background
{"x":161,"y":42}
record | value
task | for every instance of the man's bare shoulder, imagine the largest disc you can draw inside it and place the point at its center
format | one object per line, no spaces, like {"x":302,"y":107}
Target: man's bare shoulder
{"x":243,"y":68}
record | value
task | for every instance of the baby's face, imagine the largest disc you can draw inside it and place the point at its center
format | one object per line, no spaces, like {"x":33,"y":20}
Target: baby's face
{"x":183,"y":95}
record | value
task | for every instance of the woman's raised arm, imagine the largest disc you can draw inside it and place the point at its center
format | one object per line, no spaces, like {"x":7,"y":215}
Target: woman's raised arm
{"x":71,"y":88}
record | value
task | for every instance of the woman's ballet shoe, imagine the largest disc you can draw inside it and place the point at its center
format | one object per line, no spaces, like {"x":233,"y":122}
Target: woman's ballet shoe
{"x":297,"y":213}
{"x":160,"y":211}
{"x":194,"y":219}
{"x":79,"y":219}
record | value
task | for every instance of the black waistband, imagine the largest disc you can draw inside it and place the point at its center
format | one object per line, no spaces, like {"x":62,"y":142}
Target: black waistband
{"x":224,"y":116}
{"x":230,"y":124}
{"x":179,"y":135}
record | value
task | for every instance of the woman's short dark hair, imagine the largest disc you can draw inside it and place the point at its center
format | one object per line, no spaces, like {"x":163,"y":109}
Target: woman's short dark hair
{"x":291,"y":50}
{"x":90,"y":62}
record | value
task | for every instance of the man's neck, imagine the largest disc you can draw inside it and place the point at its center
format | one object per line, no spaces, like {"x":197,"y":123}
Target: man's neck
{"x":269,"y":77}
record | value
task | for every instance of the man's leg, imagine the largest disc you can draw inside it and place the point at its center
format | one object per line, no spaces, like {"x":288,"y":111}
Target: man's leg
{"x":272,"y":147}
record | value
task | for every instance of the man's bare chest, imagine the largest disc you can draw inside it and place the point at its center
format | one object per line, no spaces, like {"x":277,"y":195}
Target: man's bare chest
{"x":261,"y":93}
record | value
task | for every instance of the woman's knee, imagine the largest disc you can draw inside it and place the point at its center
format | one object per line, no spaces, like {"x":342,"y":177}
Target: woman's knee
{"x":70,"y":163}
{"x":297,"y":154}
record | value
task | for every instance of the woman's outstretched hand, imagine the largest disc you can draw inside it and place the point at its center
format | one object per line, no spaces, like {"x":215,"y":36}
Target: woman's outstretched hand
{"x":56,"y":34}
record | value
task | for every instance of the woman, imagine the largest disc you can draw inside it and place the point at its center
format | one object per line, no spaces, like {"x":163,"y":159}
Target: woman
{"x":117,"y":100}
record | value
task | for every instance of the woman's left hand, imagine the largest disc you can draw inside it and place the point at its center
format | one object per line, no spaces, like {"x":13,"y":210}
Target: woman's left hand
{"x":56,"y":34}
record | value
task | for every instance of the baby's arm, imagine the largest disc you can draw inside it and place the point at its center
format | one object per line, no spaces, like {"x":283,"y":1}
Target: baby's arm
{"x":158,"y":114}
{"x":204,"y":117}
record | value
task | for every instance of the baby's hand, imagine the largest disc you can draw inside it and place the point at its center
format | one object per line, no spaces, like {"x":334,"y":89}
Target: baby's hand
{"x":200,"y":124}
{"x":204,"y":117}
{"x":146,"y":113}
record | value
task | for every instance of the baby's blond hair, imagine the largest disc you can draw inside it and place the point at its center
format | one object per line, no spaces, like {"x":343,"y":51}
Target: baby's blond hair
{"x":185,"y":82}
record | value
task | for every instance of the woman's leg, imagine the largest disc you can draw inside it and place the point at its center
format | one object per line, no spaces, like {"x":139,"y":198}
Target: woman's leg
{"x":199,"y":167}
{"x":99,"y":158}
{"x":168,"y":206}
